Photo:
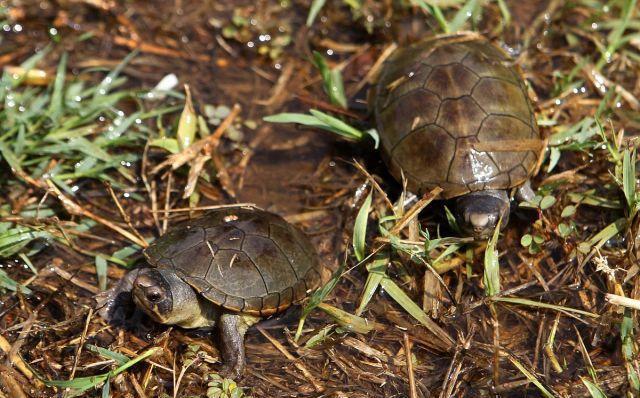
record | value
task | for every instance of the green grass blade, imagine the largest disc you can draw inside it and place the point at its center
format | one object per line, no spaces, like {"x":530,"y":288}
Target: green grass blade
{"x":347,"y":321}
{"x":360,"y":228}
{"x":120,"y":359}
{"x":594,"y":389}
{"x":377,"y":270}
{"x":629,"y":178}
{"x":316,"y":6}
{"x":531,"y":377}
{"x":434,"y":10}
{"x":101,"y":272}
{"x":463,"y":15}
{"x":491,"y":277}
{"x":532,"y":303}
{"x":57,"y":96}
{"x":413,"y":309}
{"x":317,"y":297}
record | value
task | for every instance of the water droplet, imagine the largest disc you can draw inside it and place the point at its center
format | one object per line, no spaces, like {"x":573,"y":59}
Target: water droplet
{"x":77,"y":98}
{"x":329,"y":52}
{"x":138,"y":121}
{"x":75,"y":188}
{"x":618,"y":104}
{"x":11,"y":104}
{"x":102,"y":91}
{"x":53,"y":31}
{"x":250,"y":44}
{"x":594,"y":26}
{"x":17,"y":28}
{"x":558,"y":101}
{"x":21,"y":108}
{"x":6,"y":27}
{"x":277,"y":66}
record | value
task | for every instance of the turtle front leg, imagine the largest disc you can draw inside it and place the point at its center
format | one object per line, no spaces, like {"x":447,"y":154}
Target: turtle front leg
{"x":525,"y":193}
{"x":232,"y":329}
{"x":112,"y":304}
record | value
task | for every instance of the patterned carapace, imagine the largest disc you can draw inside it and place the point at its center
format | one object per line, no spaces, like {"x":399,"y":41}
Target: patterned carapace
{"x":243,"y":259}
{"x":438,"y":101}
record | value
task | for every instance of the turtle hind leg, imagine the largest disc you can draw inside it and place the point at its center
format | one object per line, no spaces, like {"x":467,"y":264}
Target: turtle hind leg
{"x":232,"y":328}
{"x":112,"y":305}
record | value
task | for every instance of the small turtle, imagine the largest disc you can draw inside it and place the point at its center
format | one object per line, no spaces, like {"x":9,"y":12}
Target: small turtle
{"x":227,"y":269}
{"x":454,"y":112}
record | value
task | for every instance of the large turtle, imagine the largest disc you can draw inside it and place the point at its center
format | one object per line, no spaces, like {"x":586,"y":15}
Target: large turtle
{"x":454,"y":112}
{"x":229,"y":269}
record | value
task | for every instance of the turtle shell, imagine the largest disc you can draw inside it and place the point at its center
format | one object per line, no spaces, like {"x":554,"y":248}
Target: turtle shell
{"x":454,"y":112}
{"x":243,"y":259}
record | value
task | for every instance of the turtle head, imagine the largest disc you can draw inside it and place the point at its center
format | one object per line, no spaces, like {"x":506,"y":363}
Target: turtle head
{"x":478,"y":213}
{"x":166,"y":298}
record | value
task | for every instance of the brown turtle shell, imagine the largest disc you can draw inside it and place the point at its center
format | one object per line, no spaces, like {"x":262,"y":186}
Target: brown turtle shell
{"x":243,"y":259}
{"x":453,"y":112}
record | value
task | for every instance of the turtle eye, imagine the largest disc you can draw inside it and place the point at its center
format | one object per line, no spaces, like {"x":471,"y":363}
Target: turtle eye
{"x":154,"y":296}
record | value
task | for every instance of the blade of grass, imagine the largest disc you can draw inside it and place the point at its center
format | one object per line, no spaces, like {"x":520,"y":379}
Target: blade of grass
{"x":317,"y":297}
{"x":594,"y":389}
{"x":347,"y":321}
{"x":532,"y":303}
{"x":120,"y":359}
{"x":316,"y":6}
{"x":81,"y":384}
{"x":491,"y":277}
{"x":57,"y":96}
{"x":332,"y":79}
{"x":377,"y":270}
{"x":414,"y":310}
{"x":360,"y":228}
{"x":463,"y":15}
{"x":530,"y":376}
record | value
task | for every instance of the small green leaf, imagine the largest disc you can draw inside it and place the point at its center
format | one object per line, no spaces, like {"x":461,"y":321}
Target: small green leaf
{"x":547,"y":202}
{"x":526,"y":240}
{"x":568,"y":211}
{"x":360,"y":228}
{"x":564,"y":230}
{"x":169,"y":144}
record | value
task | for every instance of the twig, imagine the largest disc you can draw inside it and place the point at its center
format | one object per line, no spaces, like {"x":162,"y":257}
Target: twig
{"x":412,"y":378}
{"x":74,"y":279}
{"x":316,"y":384}
{"x":124,"y":215}
{"x":75,"y":209}
{"x":83,"y":338}
{"x":17,"y":361}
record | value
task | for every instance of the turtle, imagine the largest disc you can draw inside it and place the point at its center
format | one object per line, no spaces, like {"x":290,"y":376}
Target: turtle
{"x":228,"y":269}
{"x":453,"y":112}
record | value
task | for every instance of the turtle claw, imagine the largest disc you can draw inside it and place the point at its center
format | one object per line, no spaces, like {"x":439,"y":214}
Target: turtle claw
{"x":113,"y":305}
{"x":233,"y":371}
